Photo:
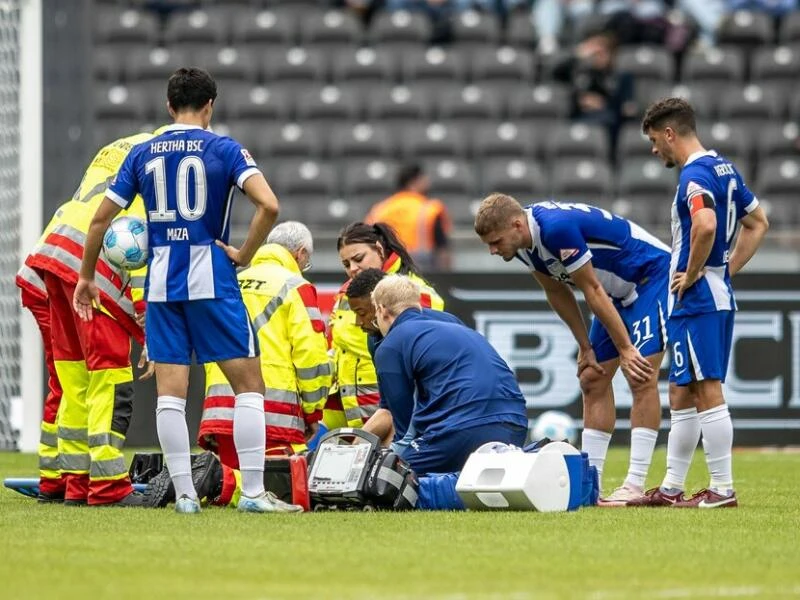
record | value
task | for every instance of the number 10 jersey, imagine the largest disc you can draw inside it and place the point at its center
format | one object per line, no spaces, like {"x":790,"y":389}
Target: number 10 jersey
{"x":186,"y":177}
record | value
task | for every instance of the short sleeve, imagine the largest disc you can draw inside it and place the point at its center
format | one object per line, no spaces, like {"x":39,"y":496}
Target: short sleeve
{"x":124,"y":186}
{"x":565,"y":241}
{"x":241,"y":164}
{"x":695,"y":183}
{"x":746,"y":201}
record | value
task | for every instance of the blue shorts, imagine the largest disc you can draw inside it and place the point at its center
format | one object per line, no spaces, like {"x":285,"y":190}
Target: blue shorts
{"x":644,"y":319}
{"x":215,"y":329}
{"x":701,"y":346}
{"x":447,"y":452}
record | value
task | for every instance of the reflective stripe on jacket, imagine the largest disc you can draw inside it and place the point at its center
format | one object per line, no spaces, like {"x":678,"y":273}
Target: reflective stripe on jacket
{"x":294,"y":357}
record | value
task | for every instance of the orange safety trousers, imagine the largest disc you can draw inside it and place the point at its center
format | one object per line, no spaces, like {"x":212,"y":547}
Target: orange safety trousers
{"x":92,"y":360}
{"x":50,"y":479}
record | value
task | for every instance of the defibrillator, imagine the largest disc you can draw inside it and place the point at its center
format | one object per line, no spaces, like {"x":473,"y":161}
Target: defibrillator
{"x":349,"y":470}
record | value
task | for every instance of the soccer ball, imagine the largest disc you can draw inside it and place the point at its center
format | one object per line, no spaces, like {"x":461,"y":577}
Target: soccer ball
{"x":125,"y":243}
{"x":555,"y":425}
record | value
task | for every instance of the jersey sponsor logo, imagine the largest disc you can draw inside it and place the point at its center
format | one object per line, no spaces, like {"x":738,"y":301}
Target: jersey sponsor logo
{"x":248,"y":159}
{"x":567,"y":253}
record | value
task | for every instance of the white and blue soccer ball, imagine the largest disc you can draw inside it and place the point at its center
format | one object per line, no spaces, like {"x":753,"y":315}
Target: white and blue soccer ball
{"x":125,"y":243}
{"x":555,"y":425}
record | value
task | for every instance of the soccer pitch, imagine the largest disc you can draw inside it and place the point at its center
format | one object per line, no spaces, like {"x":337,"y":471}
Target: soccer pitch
{"x":59,"y":552}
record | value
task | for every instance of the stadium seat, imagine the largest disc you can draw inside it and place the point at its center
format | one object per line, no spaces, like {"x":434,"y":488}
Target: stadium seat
{"x":453,"y":178}
{"x":502,"y":140}
{"x":790,"y":28}
{"x":107,"y":64}
{"x":778,"y":178}
{"x":778,"y":141}
{"x":106,"y":130}
{"x":794,"y":107}
{"x":506,"y":67}
{"x":400,"y":105}
{"x":779,"y":66}
{"x":265,"y":29}
{"x":423,"y":141}
{"x":475,"y":32}
{"x":647,"y":63}
{"x":752,"y":105}
{"x":469,"y":105}
{"x":576,"y":140}
{"x":281,"y":141}
{"x":581,"y":180}
{"x":154,"y":65}
{"x":373,"y":179}
{"x":646,"y":177}
{"x":295,"y":68}
{"x":303,"y":178}
{"x":782,"y":211}
{"x":329,"y":104}
{"x":729,"y":138}
{"x":360,"y":141}
{"x":248,"y":101}
{"x":746,"y":29}
{"x":524,"y":179}
{"x":332,"y":214}
{"x":714,"y":64}
{"x":521,"y":34}
{"x":461,"y":209}
{"x":546,"y":102}
{"x":433,"y":66}
{"x":702,"y":95}
{"x":648,"y":211}
{"x":228,"y":65}
{"x":128,"y":28}
{"x":632,"y":143}
{"x":119,"y":102}
{"x":400,"y":29}
{"x":198,"y":29}
{"x":364,"y":67}
{"x":331,"y":30}
{"x":248,"y":136}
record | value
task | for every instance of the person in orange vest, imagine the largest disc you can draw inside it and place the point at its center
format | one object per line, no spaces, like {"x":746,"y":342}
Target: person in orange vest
{"x":422,"y":223}
{"x":354,"y":397}
{"x":88,"y":410}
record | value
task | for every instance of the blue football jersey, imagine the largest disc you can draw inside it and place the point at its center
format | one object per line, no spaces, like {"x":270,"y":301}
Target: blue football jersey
{"x":186,"y":177}
{"x":715,"y":177}
{"x":566,"y":236}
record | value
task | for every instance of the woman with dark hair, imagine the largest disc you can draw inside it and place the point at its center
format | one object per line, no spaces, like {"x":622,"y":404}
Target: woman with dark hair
{"x":362,"y":246}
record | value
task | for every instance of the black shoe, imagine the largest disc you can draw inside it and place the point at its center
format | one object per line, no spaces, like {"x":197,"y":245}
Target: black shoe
{"x":68,"y":502}
{"x":136,"y":499}
{"x":207,"y":476}
{"x":45,"y":498}
{"x":159,"y":490}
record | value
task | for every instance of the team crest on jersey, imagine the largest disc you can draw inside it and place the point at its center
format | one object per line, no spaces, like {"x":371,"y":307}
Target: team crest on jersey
{"x":567,"y":253}
{"x":248,"y":159}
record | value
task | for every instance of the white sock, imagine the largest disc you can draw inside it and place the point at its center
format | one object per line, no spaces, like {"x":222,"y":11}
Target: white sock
{"x":595,"y":443}
{"x":251,"y":440}
{"x":173,"y":435}
{"x":718,"y":444}
{"x":643,"y":442}
{"x":684,"y":433}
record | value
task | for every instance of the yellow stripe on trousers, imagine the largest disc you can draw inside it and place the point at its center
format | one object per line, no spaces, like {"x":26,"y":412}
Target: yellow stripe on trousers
{"x":73,"y":445}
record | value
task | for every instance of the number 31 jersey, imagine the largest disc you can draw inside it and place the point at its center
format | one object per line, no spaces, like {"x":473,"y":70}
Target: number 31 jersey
{"x":707,"y":179}
{"x":186,"y":177}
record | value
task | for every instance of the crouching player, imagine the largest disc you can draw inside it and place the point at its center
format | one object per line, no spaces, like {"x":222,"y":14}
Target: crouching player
{"x":466,"y":395}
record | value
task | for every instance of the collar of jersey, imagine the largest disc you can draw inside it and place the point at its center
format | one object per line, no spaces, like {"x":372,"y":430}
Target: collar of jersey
{"x":180,"y":127}
{"x":699,"y":154}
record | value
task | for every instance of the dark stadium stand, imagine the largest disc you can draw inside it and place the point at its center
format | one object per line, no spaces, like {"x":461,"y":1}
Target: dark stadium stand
{"x":330,"y":107}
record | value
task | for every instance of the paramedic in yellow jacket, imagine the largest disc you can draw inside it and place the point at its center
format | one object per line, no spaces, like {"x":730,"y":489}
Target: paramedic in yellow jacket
{"x":82,"y":435}
{"x":294,"y":353}
{"x":362,"y":246}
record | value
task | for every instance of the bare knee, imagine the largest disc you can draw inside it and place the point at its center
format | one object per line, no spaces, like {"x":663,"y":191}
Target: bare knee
{"x":593,"y":384}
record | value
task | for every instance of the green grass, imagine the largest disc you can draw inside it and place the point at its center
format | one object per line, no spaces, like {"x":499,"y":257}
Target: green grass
{"x":55,"y":552}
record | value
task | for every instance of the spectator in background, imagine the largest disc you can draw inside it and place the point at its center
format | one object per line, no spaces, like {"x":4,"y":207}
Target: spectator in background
{"x":601,"y":94}
{"x":421,"y":223}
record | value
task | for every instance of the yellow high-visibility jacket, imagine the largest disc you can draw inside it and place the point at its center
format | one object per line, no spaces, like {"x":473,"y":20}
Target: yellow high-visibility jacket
{"x":285,"y":314}
{"x":60,"y":249}
{"x":357,"y":398}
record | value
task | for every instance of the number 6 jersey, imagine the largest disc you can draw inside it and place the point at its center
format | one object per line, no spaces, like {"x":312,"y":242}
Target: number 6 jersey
{"x":707,"y":180}
{"x":186,"y":177}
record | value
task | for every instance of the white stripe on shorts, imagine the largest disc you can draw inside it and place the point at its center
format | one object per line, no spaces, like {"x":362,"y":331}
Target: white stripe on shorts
{"x":201,"y":273}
